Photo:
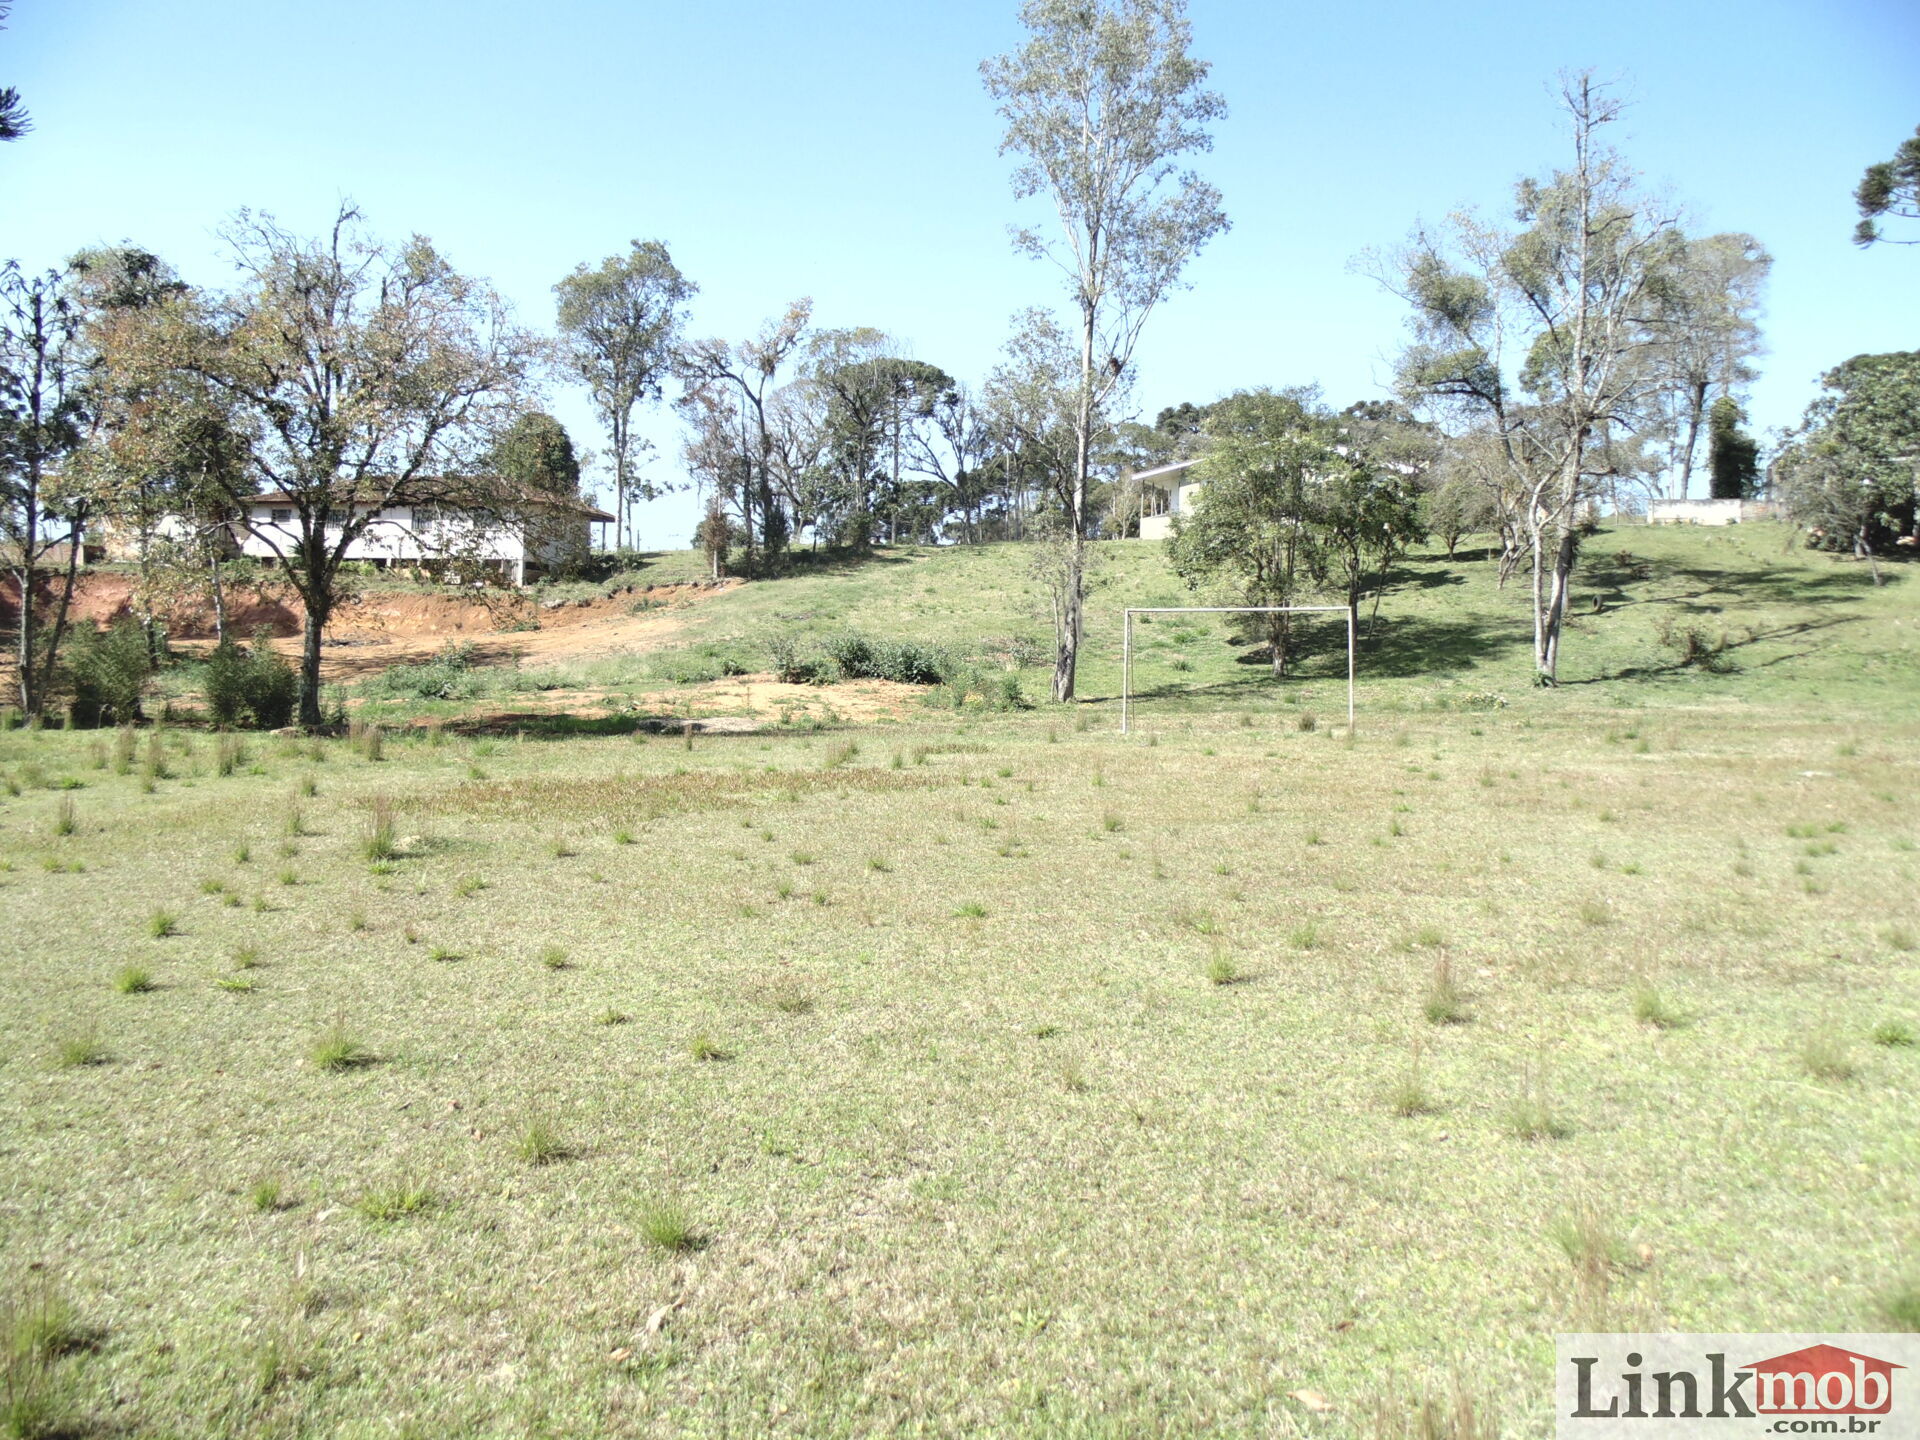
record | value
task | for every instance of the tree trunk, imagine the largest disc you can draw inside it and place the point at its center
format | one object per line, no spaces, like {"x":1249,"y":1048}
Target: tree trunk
{"x":1863,"y":549}
{"x":1067,"y":657}
{"x":1557,"y":604}
{"x":219,"y":596}
{"x":1696,"y":406}
{"x":317,"y":612}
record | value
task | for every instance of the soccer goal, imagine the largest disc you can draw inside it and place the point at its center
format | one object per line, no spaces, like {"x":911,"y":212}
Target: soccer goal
{"x":1126,"y":642}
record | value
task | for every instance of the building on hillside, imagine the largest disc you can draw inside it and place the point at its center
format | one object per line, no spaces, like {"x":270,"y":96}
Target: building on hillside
{"x":1709,"y":512}
{"x":1165,"y":491}
{"x":542,"y":534}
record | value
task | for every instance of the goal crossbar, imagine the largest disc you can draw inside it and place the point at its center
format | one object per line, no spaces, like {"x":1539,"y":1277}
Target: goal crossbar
{"x":1126,"y":642}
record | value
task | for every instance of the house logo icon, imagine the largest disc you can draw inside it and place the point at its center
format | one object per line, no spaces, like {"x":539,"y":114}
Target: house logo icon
{"x":1823,"y":1380}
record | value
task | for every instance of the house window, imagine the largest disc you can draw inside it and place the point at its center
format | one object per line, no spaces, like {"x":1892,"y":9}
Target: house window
{"x":281,"y":517}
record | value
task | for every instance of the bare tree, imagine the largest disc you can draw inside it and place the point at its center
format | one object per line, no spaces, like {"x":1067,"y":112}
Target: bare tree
{"x":1100,"y":104}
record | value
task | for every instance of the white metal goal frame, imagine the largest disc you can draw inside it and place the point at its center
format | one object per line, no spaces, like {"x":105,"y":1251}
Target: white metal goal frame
{"x":1126,"y":642}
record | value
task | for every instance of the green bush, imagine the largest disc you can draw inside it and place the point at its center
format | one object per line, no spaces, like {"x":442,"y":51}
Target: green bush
{"x":792,"y":666}
{"x":907,"y":662}
{"x":107,"y":670}
{"x":249,"y":685}
{"x":448,"y":676}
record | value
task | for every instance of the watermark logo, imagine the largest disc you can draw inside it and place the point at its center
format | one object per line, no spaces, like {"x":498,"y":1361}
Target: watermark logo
{"x":1662,"y":1386}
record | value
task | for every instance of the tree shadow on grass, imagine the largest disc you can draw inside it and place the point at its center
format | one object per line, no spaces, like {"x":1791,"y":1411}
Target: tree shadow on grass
{"x":1680,"y":666}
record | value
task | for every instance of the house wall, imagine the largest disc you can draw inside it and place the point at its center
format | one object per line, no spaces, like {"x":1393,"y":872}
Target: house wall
{"x":1182,"y":501}
{"x":1708,"y":512}
{"x":398,"y":535}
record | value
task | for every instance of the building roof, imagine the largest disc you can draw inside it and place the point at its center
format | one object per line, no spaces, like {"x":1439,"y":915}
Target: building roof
{"x":1170,"y":469}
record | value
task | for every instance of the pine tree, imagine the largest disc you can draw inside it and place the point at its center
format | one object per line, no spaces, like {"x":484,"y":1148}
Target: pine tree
{"x":1732,"y":455}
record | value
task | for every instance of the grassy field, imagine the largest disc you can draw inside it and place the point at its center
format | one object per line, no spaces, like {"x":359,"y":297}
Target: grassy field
{"x":985,"y":1073}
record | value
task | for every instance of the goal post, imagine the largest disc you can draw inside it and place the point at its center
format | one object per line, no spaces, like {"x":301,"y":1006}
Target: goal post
{"x":1126,"y":642}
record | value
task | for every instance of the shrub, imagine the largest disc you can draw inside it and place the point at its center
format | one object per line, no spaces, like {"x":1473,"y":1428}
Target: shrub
{"x":249,"y":685}
{"x":1901,"y":1306}
{"x":1408,"y":1096}
{"x":448,"y":676}
{"x":266,"y":1195}
{"x":107,"y":670}
{"x":82,"y":1047}
{"x":162,"y":923}
{"x":1221,"y":970}
{"x":554,"y":958}
{"x":64,"y":822}
{"x":1443,"y":1004}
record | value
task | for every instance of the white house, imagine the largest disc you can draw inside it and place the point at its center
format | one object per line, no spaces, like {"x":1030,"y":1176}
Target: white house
{"x":1709,"y":512}
{"x":542,"y":534}
{"x":1165,"y":491}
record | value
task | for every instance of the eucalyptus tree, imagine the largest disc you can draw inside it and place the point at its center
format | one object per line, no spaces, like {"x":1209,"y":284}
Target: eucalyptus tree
{"x":620,"y":325}
{"x":1101,"y":103}
{"x":728,"y":406}
{"x":1709,"y":327}
{"x":953,"y":454}
{"x":357,"y":377}
{"x":1549,"y":338}
{"x":876,"y":398}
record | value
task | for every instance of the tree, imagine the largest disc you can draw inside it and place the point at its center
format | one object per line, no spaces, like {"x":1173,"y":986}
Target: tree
{"x":361,"y":377}
{"x":730,"y":405}
{"x":14,"y":121}
{"x":620,"y":330}
{"x":875,"y":397}
{"x":714,"y":536}
{"x":1733,"y":456}
{"x":44,"y":417}
{"x":1293,"y":502}
{"x":1892,"y":187}
{"x":1709,"y":327}
{"x":146,"y":466}
{"x":954,"y":454}
{"x":1549,"y":338}
{"x":1101,"y":103}
{"x":1850,"y":473}
{"x":536,"y":453}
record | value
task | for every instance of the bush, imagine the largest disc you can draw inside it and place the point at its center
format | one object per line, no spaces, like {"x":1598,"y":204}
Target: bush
{"x":249,"y":685}
{"x":792,"y":666}
{"x":448,"y":676}
{"x":107,"y":670}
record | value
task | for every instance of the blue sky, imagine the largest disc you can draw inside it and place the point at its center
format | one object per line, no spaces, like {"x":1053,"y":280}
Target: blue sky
{"x":845,"y":150}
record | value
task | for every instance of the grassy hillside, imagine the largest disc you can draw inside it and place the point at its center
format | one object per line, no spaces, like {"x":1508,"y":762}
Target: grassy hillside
{"x":1797,"y":627}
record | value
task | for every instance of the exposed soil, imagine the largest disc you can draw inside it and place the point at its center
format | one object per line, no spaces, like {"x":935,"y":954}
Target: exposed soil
{"x":384,"y":627}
